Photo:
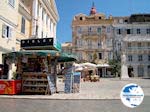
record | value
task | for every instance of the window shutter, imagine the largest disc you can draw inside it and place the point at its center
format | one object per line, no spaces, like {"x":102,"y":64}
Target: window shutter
{"x":10,"y":33}
{"x":4,"y":32}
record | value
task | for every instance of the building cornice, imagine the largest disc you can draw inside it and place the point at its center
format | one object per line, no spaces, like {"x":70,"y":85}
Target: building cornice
{"x":23,"y":10}
{"x":85,"y":22}
{"x":8,"y":21}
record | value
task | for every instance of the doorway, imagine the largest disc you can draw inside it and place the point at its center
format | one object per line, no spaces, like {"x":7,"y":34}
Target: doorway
{"x":130,"y":71}
{"x":100,"y":73}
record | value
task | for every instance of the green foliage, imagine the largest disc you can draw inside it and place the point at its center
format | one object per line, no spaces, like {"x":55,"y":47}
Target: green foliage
{"x":116,"y":67}
{"x":14,"y":75}
{"x":94,"y":57}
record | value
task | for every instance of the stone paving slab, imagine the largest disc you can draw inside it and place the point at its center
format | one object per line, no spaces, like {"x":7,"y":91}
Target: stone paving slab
{"x":108,"y":88}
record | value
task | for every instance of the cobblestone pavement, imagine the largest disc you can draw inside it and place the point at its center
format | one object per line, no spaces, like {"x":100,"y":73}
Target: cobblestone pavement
{"x":30,"y":105}
{"x":108,"y":88}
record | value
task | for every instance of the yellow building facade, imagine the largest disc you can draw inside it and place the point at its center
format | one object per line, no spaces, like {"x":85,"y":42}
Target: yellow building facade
{"x":8,"y":26}
{"x":22,"y":19}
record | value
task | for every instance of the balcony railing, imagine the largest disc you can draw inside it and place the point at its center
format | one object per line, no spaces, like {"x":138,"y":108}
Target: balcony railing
{"x":90,"y":33}
{"x":138,"y":48}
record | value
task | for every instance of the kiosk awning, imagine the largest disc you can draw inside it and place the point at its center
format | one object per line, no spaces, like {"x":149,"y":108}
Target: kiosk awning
{"x":62,"y":57}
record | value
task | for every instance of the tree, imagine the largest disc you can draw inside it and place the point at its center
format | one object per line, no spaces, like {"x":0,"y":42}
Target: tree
{"x":116,"y":67}
{"x":94,"y":57}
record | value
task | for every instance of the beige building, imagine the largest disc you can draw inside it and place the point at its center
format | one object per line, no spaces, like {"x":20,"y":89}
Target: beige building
{"x":8,"y":26}
{"x":92,"y":37}
{"x":44,"y":18}
{"x":67,"y":47}
{"x":37,"y":19}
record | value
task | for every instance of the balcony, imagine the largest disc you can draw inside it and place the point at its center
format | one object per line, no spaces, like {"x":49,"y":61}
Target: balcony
{"x":144,"y":50}
{"x":138,"y":48}
{"x":92,"y":34}
{"x":25,"y":10}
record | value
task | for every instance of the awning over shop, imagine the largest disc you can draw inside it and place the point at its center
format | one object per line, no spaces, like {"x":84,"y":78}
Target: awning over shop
{"x":62,"y":57}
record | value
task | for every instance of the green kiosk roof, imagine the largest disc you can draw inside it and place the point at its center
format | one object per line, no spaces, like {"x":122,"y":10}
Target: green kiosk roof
{"x":62,"y":57}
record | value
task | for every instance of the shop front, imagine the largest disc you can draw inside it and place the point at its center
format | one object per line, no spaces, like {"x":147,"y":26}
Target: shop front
{"x":36,"y":65}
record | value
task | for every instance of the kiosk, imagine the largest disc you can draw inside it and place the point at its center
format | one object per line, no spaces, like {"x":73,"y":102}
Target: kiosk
{"x":36,"y":65}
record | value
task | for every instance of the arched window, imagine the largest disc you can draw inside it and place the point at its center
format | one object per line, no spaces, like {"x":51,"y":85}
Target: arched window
{"x":81,"y":18}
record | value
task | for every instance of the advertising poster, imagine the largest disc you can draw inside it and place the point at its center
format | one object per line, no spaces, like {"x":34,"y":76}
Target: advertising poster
{"x":10,"y":86}
{"x":68,"y":83}
{"x":51,"y":82}
{"x":76,"y":82}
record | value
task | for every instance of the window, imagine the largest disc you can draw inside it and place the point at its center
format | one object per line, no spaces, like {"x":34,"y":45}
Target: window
{"x":126,"y":21}
{"x":79,"y":43}
{"x":89,"y":29}
{"x":99,"y":43}
{"x":80,"y":56}
{"x":108,"y":29}
{"x":148,"y":57}
{"x":43,"y":15}
{"x":119,"y":46}
{"x":139,"y":44}
{"x":129,"y":45}
{"x":138,"y":31}
{"x":79,"y":30}
{"x":109,"y":42}
{"x":140,"y":71}
{"x":110,"y":55}
{"x":119,"y":31}
{"x":148,"y":45}
{"x":12,"y":2}
{"x":99,"y":30}
{"x":148,"y":31}
{"x":90,"y":57}
{"x":148,"y":70}
{"x":129,"y":57}
{"x":47,"y":19}
{"x":81,"y":18}
{"x":23,"y":25}
{"x":129,"y":31}
{"x":100,"y":55}
{"x":50,"y":25}
{"x":100,"y":17}
{"x":42,"y":34}
{"x":89,"y":43}
{"x":7,"y":31}
{"x":140,"y":58}
{"x":36,"y":30}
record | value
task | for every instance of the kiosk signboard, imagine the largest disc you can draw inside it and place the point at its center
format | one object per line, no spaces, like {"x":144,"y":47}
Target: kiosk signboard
{"x":51,"y":82}
{"x":68,"y":80}
{"x":38,"y":44}
{"x":76,"y":82}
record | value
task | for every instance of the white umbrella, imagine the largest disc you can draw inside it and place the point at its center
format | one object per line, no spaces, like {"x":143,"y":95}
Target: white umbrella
{"x":88,"y":64}
{"x":103,"y":65}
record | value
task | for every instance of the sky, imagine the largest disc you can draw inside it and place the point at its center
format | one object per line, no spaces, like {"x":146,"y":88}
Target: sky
{"x":67,"y":9}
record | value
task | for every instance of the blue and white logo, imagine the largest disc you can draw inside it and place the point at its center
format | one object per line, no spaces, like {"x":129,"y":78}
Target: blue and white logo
{"x":132,"y":95}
